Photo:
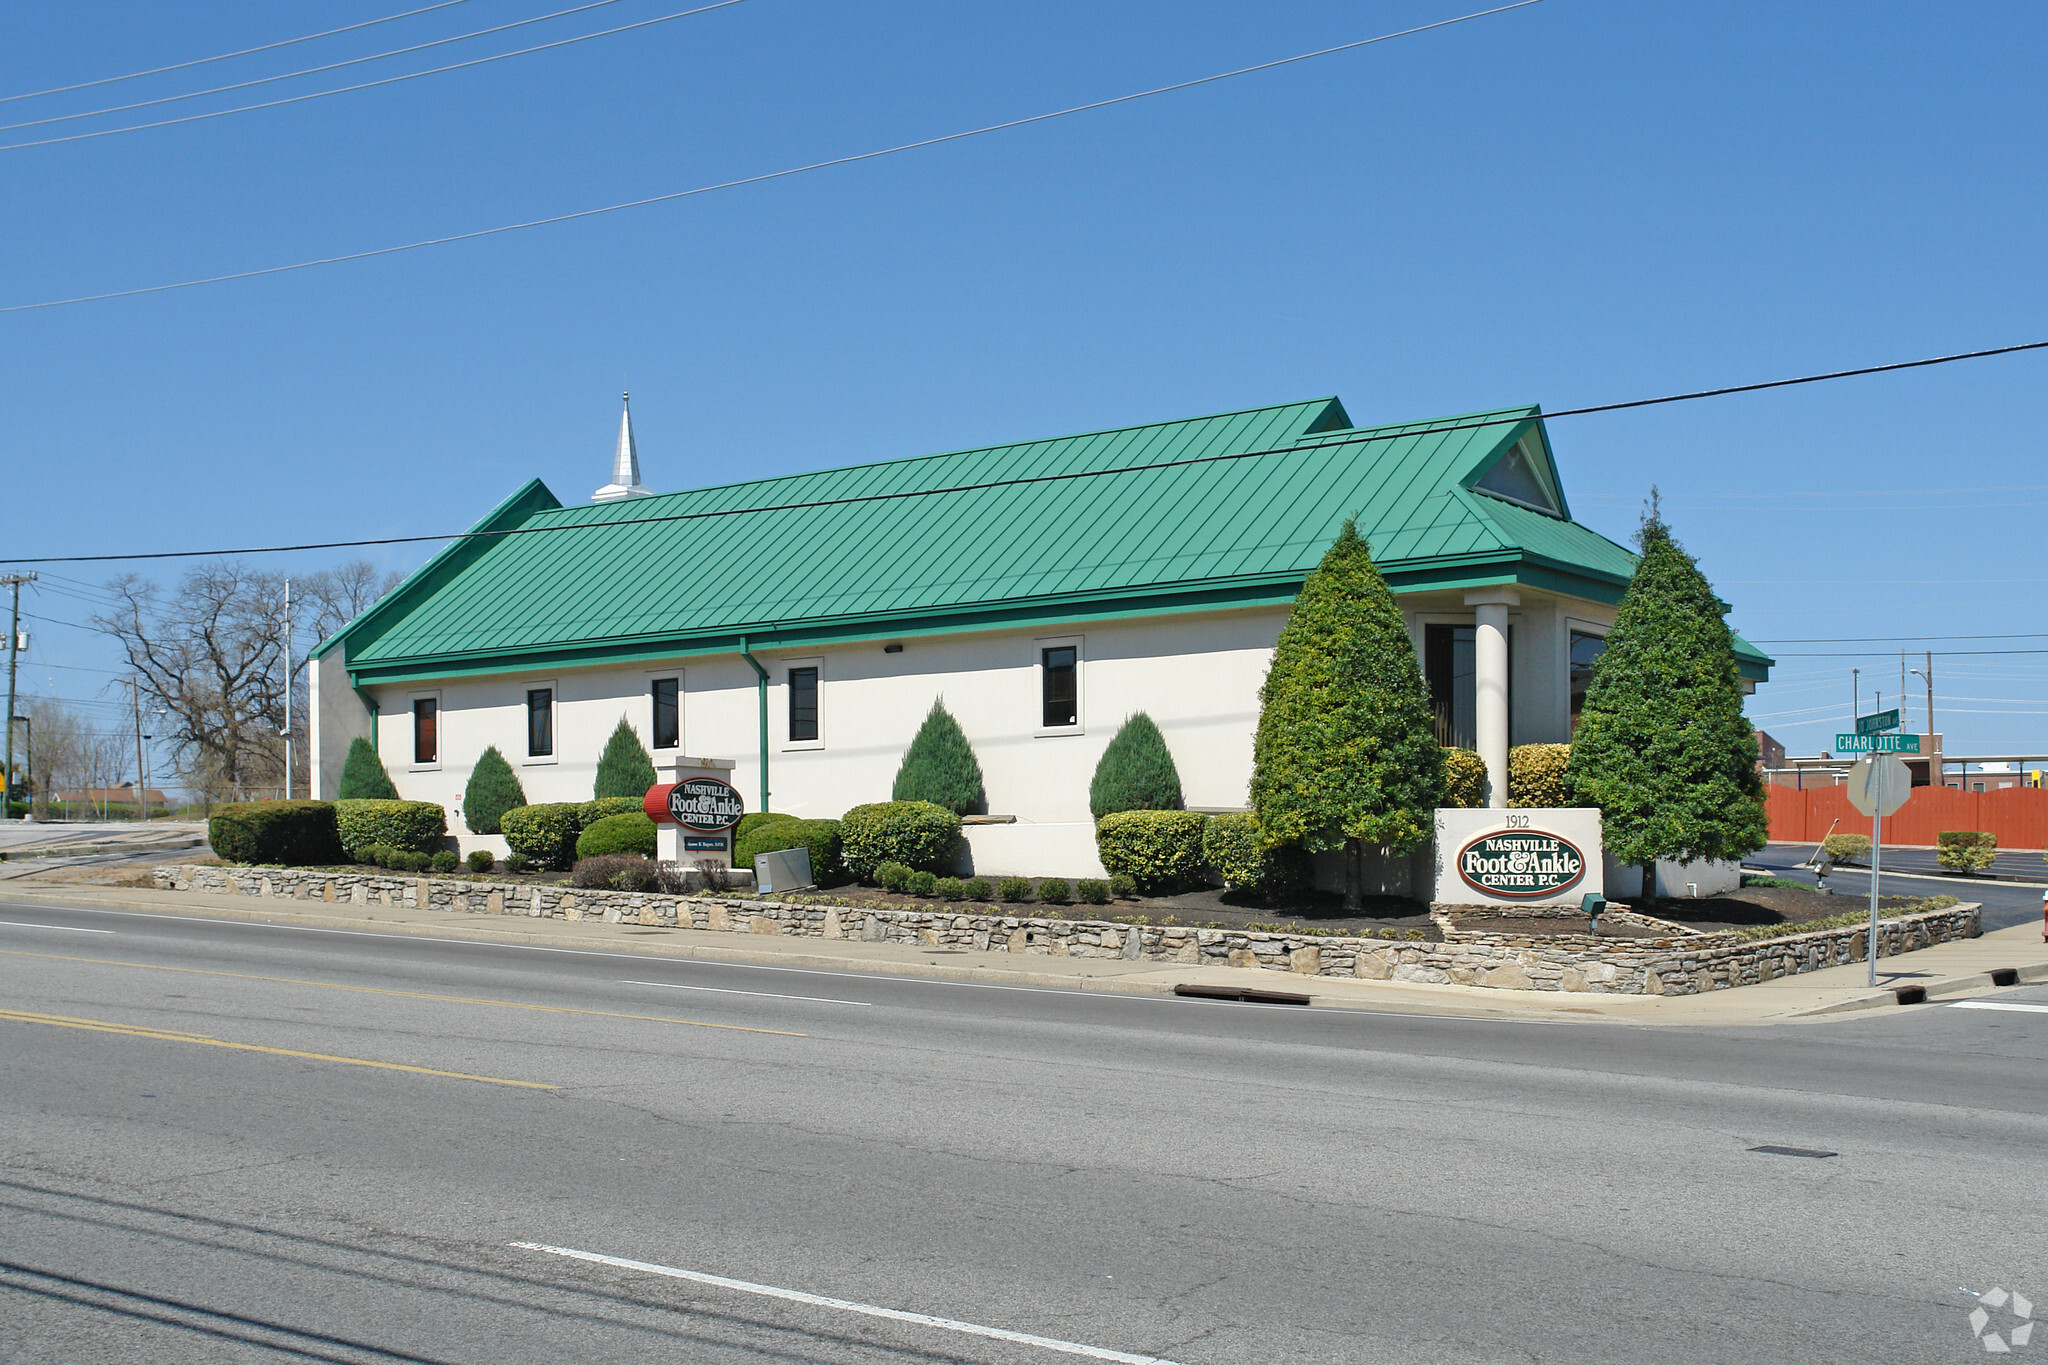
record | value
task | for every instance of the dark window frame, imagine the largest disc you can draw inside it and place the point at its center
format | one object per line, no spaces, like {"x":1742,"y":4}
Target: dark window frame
{"x":1056,"y":700}
{"x":540,"y":739}
{"x":673,"y":705}
{"x":1575,"y":687}
{"x":426,"y":739}
{"x":805,"y":684}
{"x":1440,"y":657}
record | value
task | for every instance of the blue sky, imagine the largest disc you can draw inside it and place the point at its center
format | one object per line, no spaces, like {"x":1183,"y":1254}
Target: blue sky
{"x":1577,"y":202}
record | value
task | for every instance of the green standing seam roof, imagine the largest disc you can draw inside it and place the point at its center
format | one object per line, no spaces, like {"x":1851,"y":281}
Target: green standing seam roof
{"x":789,"y":560}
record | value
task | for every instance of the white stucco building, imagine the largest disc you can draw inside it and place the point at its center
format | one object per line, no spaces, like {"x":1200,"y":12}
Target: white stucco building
{"x":802,"y":626}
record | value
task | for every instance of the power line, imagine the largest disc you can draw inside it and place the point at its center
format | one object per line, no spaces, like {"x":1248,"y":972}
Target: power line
{"x":202,"y":61}
{"x":765,"y":176}
{"x":1384,"y":434}
{"x":307,"y":71}
{"x":388,"y":80}
{"x":1895,"y":639}
{"x":1886,"y":654}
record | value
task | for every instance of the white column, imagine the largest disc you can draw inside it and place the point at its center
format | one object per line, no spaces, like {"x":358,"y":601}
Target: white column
{"x":1490,"y":685}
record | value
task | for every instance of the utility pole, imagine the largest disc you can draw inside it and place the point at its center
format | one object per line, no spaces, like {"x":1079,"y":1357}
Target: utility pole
{"x":287,"y":731}
{"x":141,"y":773}
{"x":13,"y":581}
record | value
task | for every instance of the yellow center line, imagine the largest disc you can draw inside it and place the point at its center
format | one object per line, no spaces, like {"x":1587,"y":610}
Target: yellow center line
{"x":409,"y":995}
{"x":201,"y":1040}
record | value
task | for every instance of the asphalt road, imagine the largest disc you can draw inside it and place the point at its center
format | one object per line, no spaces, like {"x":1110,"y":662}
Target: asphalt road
{"x":1119,"y":1176}
{"x":2020,"y":865}
{"x":2005,"y":903}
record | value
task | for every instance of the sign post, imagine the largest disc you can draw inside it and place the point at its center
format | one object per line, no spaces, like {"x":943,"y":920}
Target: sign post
{"x":1878,"y":785}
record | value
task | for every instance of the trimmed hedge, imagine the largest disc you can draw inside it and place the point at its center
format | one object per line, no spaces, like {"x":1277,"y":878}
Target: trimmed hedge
{"x":753,"y":820}
{"x":893,"y":876}
{"x":1845,"y":848}
{"x":1013,"y":890}
{"x":1536,"y":776}
{"x":415,"y":826}
{"x":284,"y":833}
{"x":1161,"y":850}
{"x":628,"y":832}
{"x":590,"y":812}
{"x":1054,"y":891}
{"x":1237,"y":852}
{"x":481,"y":860}
{"x":917,"y":834}
{"x":1965,"y":850}
{"x":818,"y":837}
{"x":978,"y":889}
{"x":1464,"y":779}
{"x":545,"y":833}
{"x":1092,"y":891}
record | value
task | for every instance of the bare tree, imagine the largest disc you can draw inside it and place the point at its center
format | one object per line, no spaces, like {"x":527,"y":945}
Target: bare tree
{"x":57,"y":737}
{"x":334,"y":597}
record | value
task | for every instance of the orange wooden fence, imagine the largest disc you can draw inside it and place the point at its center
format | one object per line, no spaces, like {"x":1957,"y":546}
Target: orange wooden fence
{"x":2016,"y":816}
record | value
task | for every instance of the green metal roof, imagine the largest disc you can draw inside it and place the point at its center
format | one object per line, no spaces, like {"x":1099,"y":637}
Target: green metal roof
{"x":1163,"y":520}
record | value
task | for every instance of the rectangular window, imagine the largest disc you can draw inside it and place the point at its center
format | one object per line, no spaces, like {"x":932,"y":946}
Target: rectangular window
{"x":1586,"y":648}
{"x":668,"y":713}
{"x":426,"y":730}
{"x":1450,"y":668}
{"x":540,"y":722}
{"x":803,"y":704}
{"x":1060,"y":685}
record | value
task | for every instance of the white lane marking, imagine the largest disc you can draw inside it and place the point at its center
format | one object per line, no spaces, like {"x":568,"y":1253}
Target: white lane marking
{"x":1073,"y":1348}
{"x":1997,"y":1005}
{"x":67,"y":928}
{"x":765,"y":995}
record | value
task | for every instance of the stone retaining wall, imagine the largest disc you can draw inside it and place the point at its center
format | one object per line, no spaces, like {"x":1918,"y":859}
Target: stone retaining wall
{"x":1674,"y":966}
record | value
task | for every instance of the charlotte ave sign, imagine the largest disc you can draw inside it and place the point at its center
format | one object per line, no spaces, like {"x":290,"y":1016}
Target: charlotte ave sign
{"x":1521,"y":864}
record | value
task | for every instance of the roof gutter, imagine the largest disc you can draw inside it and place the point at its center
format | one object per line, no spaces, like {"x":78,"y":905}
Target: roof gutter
{"x":761,"y":688}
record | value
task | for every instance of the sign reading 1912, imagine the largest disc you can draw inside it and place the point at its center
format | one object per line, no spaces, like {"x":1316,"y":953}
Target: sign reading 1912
{"x":1520,"y":864}
{"x":705,"y":804}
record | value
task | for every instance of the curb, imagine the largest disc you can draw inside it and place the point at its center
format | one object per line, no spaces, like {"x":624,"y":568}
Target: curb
{"x":1955,"y":987}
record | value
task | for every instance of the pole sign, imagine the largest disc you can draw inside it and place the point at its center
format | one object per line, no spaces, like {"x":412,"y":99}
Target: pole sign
{"x":705,"y":805}
{"x":1521,"y":864}
{"x":1877,"y":722}
{"x":1877,"y":744}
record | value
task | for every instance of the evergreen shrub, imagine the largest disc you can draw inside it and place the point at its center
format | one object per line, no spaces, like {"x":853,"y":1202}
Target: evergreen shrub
{"x":1160,"y":850}
{"x":940,"y":766}
{"x":1845,"y":848}
{"x":921,"y":884}
{"x":1123,"y":885}
{"x":1464,"y":779}
{"x":1238,"y":853}
{"x":624,"y":769}
{"x":753,"y":820}
{"x":480,"y":860}
{"x":493,"y":789}
{"x":362,"y":774}
{"x":820,"y":838}
{"x":590,"y":812}
{"x":919,"y":834}
{"x":949,"y":889}
{"x":893,"y":876}
{"x":1092,"y":891}
{"x":545,"y":833}
{"x":416,"y":826}
{"x":630,"y":832}
{"x":1054,"y":891}
{"x":279,"y":833}
{"x":1662,"y":746}
{"x":1013,"y":890}
{"x":978,"y":889}
{"x":447,"y":860}
{"x":1965,"y":850}
{"x":1136,"y":771}
{"x":1536,"y":775}
{"x":1346,"y":752}
{"x":517,"y":862}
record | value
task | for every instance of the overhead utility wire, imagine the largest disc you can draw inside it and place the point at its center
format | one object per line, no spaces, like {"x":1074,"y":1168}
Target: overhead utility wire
{"x":1383,"y":434}
{"x":247,"y":51}
{"x":765,"y":176}
{"x":308,"y":71}
{"x":1892,"y":639}
{"x":371,"y":85}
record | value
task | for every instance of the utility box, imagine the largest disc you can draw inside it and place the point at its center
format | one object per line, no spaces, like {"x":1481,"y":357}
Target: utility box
{"x":786,"y":869}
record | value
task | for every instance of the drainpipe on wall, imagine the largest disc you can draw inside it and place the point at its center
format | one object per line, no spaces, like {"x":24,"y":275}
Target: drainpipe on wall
{"x":761,"y":687}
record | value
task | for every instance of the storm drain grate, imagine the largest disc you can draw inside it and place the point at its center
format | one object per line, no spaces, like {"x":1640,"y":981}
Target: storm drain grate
{"x":1793,"y":1151}
{"x":1250,"y":995}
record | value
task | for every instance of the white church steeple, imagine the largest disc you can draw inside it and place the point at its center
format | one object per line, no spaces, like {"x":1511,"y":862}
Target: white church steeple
{"x":625,"y":463}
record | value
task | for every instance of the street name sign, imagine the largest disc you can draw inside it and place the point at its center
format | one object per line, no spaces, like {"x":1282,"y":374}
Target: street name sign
{"x":1879,"y":784}
{"x":1877,"y":722}
{"x":1877,"y":744}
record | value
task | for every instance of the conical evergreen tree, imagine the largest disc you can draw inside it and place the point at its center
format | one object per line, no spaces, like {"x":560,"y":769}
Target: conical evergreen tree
{"x":493,"y":789}
{"x":1135,"y":772}
{"x":1662,"y":746}
{"x":1346,"y":753}
{"x":624,"y":769}
{"x":940,"y":766}
{"x":363,"y":776}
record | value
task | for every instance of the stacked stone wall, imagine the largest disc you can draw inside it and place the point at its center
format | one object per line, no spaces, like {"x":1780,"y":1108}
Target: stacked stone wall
{"x":1678,"y":965}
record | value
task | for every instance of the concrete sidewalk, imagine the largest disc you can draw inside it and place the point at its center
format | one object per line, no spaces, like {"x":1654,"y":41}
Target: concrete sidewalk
{"x":1947,"y":971}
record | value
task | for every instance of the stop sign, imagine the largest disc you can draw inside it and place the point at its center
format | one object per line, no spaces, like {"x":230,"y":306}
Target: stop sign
{"x":1865,"y":787}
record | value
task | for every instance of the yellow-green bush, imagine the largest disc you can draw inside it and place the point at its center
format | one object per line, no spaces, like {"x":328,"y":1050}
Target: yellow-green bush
{"x":917,"y":834}
{"x":416,"y":826}
{"x":1464,"y":779}
{"x":1845,"y":848}
{"x":1965,"y":850}
{"x":1161,"y":850}
{"x":546,"y":833}
{"x":1536,"y":775}
{"x":627,"y":832}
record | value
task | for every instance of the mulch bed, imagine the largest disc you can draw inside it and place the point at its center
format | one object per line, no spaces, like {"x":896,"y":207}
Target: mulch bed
{"x":1753,"y":905}
{"x":1209,"y":909}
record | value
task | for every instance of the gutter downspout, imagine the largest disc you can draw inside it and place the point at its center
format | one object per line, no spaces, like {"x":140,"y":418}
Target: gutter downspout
{"x":761,"y":687}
